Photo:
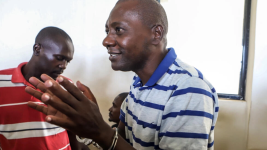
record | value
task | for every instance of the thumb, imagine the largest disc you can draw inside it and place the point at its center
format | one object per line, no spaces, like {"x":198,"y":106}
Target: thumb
{"x":86,"y":91}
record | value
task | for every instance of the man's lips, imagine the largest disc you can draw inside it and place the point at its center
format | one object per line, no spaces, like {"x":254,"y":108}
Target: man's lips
{"x":114,"y":56}
{"x":114,"y":52}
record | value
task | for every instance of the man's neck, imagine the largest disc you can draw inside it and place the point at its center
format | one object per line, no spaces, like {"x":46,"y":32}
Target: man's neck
{"x":151,"y":65}
{"x":27,"y":71}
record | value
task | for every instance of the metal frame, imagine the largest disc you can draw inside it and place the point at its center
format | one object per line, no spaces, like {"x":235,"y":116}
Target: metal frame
{"x":244,"y":64}
{"x":245,"y":43}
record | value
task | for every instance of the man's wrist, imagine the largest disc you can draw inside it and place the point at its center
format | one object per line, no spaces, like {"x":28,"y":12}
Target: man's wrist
{"x":105,"y":137}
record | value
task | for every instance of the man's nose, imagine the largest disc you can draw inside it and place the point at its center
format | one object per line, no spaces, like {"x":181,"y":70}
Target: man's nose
{"x":63,"y":64}
{"x":109,"y":41}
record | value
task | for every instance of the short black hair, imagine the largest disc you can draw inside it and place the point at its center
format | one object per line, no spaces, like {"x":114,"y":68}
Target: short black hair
{"x":49,"y":32}
{"x":123,"y":95}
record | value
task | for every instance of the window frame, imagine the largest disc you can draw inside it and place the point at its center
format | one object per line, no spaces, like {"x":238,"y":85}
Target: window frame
{"x":244,"y":62}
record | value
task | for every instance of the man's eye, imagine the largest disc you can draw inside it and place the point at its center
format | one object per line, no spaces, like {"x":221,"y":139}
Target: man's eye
{"x":118,"y":29}
{"x":60,"y":58}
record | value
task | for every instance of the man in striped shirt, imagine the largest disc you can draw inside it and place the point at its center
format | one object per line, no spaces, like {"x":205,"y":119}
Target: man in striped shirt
{"x":171,"y":105}
{"x":24,"y":128}
{"x":175,"y":109}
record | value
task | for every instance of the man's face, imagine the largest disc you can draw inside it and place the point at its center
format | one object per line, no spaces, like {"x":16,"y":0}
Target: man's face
{"x":127,"y":38}
{"x":54,"y":56}
{"x":114,"y":110}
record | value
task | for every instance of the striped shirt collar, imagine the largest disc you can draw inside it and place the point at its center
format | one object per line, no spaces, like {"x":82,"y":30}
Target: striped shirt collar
{"x":17,"y":76}
{"x":161,"y":69}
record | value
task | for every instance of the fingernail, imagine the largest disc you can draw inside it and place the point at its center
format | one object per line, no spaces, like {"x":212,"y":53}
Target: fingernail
{"x":45,"y":97}
{"x":31,"y":79}
{"x":48,"y":119}
{"x":48,"y":83}
{"x":59,"y":79}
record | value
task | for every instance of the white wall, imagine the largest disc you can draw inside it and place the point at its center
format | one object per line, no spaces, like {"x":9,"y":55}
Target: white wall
{"x":243,"y":125}
{"x":258,"y":121}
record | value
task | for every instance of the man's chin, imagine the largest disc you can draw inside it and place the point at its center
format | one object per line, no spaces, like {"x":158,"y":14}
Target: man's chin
{"x":115,"y":67}
{"x":119,"y":68}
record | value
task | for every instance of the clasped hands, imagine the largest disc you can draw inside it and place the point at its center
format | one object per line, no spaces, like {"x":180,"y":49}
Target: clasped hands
{"x":74,"y":108}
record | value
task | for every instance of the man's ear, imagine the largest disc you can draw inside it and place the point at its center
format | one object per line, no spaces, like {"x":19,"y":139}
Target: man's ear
{"x":158,"y":32}
{"x":36,"y":49}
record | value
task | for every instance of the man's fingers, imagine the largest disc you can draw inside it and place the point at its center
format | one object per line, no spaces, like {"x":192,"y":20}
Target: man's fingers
{"x":86,"y":91}
{"x":33,"y":92}
{"x":56,"y":103}
{"x":34,"y":81}
{"x":71,"y":88}
{"x":62,"y":122}
{"x":60,"y":93}
{"x":38,"y":107}
{"x":45,"y":77}
{"x":39,"y":85}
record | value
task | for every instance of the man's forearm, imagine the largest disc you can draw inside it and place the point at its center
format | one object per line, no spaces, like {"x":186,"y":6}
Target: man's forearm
{"x":121,"y":130}
{"x":106,"y":138}
{"x":122,"y":144}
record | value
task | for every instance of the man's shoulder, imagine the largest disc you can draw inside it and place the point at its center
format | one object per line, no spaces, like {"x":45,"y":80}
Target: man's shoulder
{"x":10,"y":71}
{"x":179,"y":73}
{"x":7,"y":71}
{"x":191,"y":71}
{"x":6,"y":75}
{"x":184,"y":68}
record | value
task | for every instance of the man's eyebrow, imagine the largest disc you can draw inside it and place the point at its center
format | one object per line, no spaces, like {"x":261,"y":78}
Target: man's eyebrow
{"x":113,"y":24}
{"x":64,"y":57}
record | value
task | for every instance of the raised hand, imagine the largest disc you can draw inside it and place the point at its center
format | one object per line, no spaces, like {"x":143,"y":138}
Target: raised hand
{"x":70,"y":109}
{"x":86,"y":91}
{"x":47,"y":110}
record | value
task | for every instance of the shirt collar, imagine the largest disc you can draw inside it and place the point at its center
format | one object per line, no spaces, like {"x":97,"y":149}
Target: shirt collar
{"x":136,"y":80}
{"x":17,"y":76}
{"x":161,"y":69}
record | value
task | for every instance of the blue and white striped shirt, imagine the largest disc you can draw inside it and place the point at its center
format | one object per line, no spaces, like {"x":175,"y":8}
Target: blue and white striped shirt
{"x":176,"y":109}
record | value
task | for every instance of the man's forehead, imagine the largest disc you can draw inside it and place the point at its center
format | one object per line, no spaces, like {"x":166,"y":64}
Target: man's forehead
{"x":117,"y":100}
{"x":59,"y":47}
{"x":56,"y":41}
{"x":123,"y":12}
